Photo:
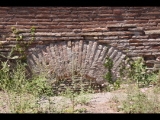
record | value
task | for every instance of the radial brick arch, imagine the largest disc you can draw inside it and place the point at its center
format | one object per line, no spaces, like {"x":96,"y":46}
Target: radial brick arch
{"x":83,"y":57}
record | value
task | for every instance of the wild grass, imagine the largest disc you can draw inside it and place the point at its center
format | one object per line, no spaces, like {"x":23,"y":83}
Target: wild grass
{"x":22,"y":94}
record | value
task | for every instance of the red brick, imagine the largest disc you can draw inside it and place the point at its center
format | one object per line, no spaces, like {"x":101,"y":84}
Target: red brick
{"x":86,"y":8}
{"x":20,"y":19}
{"x":79,"y":20}
{"x":63,"y":13}
{"x":141,"y":21}
{"x":22,"y":12}
{"x":131,"y":14}
{"x":144,"y":18}
{"x":107,"y":11}
{"x":1,"y":26}
{"x":26,"y":23}
{"x":25,"y":16}
{"x":104,"y":19}
{"x":113,"y":22}
{"x":41,"y":20}
{"x":81,"y":12}
{"x":3,"y":12}
{"x":56,"y":26}
{"x":44,"y":12}
{"x":151,"y":13}
{"x":82,"y":15}
{"x":105,"y":15}
{"x":45,"y":16}
{"x":61,"y":30}
{"x":62,"y":20}
{"x":134,"y":11}
{"x":68,"y":23}
{"x":7,"y":23}
{"x":43,"y":8}
{"x":43,"y":30}
{"x":74,"y":26}
{"x":67,"y":16}
{"x":128,"y":18}
{"x":41,"y":27}
{"x":90,"y":26}
{"x":48,"y":23}
{"x":118,"y":11}
{"x":5,"y":8}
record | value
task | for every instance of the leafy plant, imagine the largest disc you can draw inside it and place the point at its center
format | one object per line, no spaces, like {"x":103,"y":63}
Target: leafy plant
{"x":109,"y":64}
{"x":139,"y":73}
{"x":109,"y":76}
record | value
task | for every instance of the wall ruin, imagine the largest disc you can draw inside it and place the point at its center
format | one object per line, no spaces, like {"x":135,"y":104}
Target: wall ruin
{"x":129,"y":31}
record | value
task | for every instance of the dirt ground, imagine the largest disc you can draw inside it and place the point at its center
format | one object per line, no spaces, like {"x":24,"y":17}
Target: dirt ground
{"x":97,"y":102}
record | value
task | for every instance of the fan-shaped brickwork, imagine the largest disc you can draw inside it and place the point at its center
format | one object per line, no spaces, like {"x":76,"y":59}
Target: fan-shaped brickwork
{"x":62,"y":59}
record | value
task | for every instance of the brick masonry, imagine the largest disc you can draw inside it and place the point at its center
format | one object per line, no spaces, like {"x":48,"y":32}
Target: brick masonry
{"x":129,"y":31}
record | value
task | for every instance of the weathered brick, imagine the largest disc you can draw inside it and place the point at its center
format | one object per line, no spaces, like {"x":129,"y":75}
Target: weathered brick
{"x":92,"y":34}
{"x":129,"y":25}
{"x":134,"y":10}
{"x":25,"y":16}
{"x":5,"y":8}
{"x":79,"y":20}
{"x":41,"y":20}
{"x":125,"y":37}
{"x":44,"y":8}
{"x":144,"y":18}
{"x":131,"y":14}
{"x":95,"y":30}
{"x":136,"y":21}
{"x":116,"y":26}
{"x":56,"y":26}
{"x":62,"y":30}
{"x":117,"y":29}
{"x":104,"y":19}
{"x":26,"y":23}
{"x":75,"y":38}
{"x":82,"y":12}
{"x":41,"y":27}
{"x":45,"y":16}
{"x":118,"y":33}
{"x":108,"y":37}
{"x":62,"y":20}
{"x":44,"y":30}
{"x":128,"y":18}
{"x":140,"y":37}
{"x":108,"y":11}
{"x":105,"y":15}
{"x":69,"y":23}
{"x":91,"y":26}
{"x":118,"y":11}
{"x":7,"y":23}
{"x":74,"y":26}
{"x":152,"y":32}
{"x":67,"y":16}
{"x":44,"y":12}
{"x":151,"y":13}
{"x":3,"y":12}
{"x":20,"y":20}
{"x":154,"y":20}
{"x":48,"y":23}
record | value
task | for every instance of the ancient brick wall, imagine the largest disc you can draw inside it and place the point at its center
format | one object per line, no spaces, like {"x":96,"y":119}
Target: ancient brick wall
{"x":130,"y":31}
